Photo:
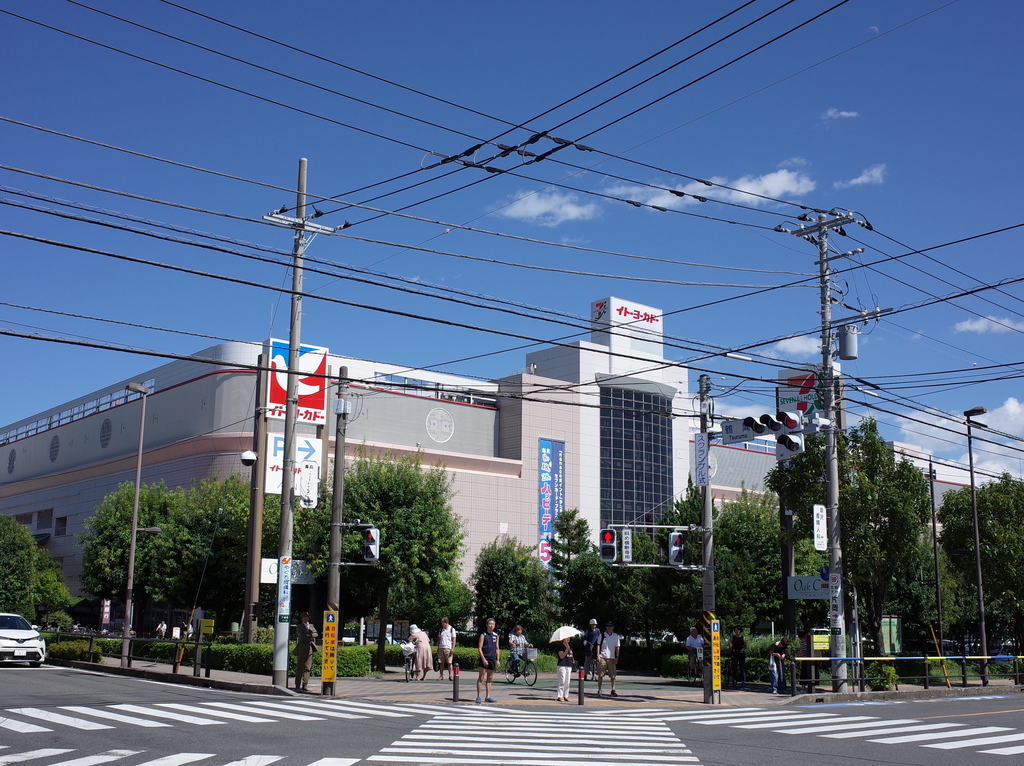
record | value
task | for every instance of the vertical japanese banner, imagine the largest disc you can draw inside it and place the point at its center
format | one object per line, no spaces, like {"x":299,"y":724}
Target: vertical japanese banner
{"x":551,"y":493}
{"x":701,"y":448}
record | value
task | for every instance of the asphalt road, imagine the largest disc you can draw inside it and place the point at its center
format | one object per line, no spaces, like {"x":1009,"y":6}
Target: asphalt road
{"x":64,"y":717}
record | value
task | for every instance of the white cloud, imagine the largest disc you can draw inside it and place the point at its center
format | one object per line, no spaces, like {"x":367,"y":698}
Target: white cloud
{"x":549,"y":208}
{"x":873,"y":176}
{"x":836,"y":114}
{"x":991,"y":324}
{"x":803,"y":346}
{"x":783,"y":183}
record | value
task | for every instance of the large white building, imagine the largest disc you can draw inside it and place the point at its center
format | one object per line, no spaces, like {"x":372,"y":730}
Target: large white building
{"x":601,"y":425}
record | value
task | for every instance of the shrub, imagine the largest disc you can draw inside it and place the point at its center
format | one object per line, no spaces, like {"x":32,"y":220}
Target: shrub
{"x":881,"y":676}
{"x":354,"y":661}
{"x":675,"y":666}
{"x":69,"y":650}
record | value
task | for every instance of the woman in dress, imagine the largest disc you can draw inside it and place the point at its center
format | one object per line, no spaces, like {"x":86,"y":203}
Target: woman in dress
{"x":422,"y":659}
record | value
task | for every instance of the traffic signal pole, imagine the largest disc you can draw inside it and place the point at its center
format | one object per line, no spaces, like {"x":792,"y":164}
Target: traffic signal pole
{"x":337,"y":506}
{"x":711,"y":694}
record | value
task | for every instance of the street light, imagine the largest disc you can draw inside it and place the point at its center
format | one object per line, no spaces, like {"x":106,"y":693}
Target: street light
{"x":137,"y":388}
{"x":968,"y":414}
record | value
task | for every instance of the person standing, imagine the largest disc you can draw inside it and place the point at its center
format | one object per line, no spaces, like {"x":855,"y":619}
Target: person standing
{"x":590,"y":640}
{"x":445,"y":649}
{"x":161,"y":630}
{"x":422,"y":659}
{"x":305,"y":645}
{"x":776,"y":665}
{"x":608,"y":657}
{"x":490,"y":655}
{"x":565,"y":664}
{"x":738,"y":657}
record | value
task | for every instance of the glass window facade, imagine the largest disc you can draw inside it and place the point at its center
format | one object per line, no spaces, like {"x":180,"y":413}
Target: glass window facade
{"x":636,"y":456}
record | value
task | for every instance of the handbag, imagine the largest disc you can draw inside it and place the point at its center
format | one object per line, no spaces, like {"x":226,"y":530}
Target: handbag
{"x":437,"y":665}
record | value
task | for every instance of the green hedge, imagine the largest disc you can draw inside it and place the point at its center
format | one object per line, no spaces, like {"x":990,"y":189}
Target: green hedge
{"x":69,"y":650}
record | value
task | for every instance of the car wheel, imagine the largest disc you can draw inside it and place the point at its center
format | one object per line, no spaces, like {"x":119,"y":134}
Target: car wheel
{"x":35,"y":664}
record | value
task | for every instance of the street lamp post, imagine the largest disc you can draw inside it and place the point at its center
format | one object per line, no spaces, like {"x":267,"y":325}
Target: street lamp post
{"x":137,"y":388}
{"x":968,"y":414}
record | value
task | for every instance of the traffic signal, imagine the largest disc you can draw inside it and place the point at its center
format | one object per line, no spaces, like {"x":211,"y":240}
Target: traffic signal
{"x":754,"y":425}
{"x":371,"y":543}
{"x":609,"y":545}
{"x":676,"y":546}
{"x":791,"y":441}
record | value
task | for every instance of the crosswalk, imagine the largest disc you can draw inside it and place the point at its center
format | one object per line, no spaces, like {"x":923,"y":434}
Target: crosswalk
{"x":36,"y":720}
{"x":992,"y":740}
{"x":70,"y":757}
{"x":512,"y":738}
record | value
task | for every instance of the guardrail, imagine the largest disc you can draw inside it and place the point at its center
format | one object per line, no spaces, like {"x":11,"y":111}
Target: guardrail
{"x":925,"y":679}
{"x":198,"y":664}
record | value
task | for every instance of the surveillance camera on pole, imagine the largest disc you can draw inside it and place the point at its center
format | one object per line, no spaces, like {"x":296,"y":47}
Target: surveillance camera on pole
{"x":248,"y":458}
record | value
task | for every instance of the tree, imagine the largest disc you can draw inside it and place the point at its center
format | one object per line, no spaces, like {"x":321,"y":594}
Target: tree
{"x":18,"y":573}
{"x":587,"y":589}
{"x":883,"y":508}
{"x":571,"y":539}
{"x":1000,"y":525}
{"x":420,"y":534}
{"x":512,"y":586}
{"x":50,"y":592}
{"x":107,"y":539}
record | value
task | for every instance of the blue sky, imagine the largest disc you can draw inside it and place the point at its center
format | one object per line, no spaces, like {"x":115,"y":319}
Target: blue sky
{"x":906,"y":112}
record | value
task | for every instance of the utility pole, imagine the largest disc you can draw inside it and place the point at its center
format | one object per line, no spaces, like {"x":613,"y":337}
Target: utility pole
{"x":935,"y":555}
{"x":257,"y":484}
{"x":711,"y":695}
{"x":817,"y":234}
{"x":337,"y":504}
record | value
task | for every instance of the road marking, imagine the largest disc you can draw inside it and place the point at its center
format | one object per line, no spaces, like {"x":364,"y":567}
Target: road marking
{"x":22,"y":726}
{"x":844,"y":725}
{"x":325,"y":708}
{"x":331,"y":762}
{"x":101,"y":713}
{"x":180,"y":717}
{"x":940,"y":735}
{"x":50,"y":717}
{"x":377,"y":709}
{"x":218,"y":713}
{"x":1006,"y":750}
{"x":256,"y":760}
{"x":93,"y":760}
{"x":977,"y":742}
{"x":29,"y":755}
{"x":803,"y":722}
{"x":247,"y":708}
{"x":781,"y":717}
{"x":177,"y":760}
{"x":916,"y":727}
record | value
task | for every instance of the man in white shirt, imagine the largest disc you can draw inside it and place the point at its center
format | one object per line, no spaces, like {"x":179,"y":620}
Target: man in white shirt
{"x":608,"y":657}
{"x":694,"y":643}
{"x":445,"y":648}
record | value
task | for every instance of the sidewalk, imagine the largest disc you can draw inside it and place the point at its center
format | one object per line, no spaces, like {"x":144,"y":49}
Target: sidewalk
{"x":634,"y":690}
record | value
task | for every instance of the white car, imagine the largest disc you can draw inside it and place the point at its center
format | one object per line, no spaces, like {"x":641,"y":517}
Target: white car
{"x":20,"y":642}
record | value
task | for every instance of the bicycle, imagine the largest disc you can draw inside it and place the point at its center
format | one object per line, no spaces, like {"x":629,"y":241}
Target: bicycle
{"x":695,"y":666}
{"x":408,"y":650}
{"x":527,"y":668}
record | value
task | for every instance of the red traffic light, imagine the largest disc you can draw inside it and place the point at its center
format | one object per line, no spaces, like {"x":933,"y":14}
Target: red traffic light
{"x":607,"y":537}
{"x":369,"y":535}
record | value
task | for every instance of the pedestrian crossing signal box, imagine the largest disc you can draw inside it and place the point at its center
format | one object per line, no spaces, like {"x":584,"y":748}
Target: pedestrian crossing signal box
{"x":609,"y":545}
{"x":676,"y":546}
{"x":371,"y":543}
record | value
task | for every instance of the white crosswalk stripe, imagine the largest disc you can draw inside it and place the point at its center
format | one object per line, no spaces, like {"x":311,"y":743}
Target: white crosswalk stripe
{"x":545,"y":740}
{"x":22,"y":726}
{"x":95,"y":760}
{"x":938,"y":736}
{"x":31,"y":755}
{"x":48,"y":716}
{"x":169,"y":715}
{"x":110,"y":715}
{"x":178,"y":759}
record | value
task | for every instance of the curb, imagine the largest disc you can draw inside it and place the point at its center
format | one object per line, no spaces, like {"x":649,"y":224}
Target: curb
{"x":176,"y":678}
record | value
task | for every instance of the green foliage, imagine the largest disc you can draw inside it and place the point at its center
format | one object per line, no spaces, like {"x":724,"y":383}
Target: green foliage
{"x":354,"y":661}
{"x":72,"y":651}
{"x":420,"y":535}
{"x":513,"y":587}
{"x":1000,"y":524}
{"x":587,"y":590}
{"x":881,"y":676}
{"x":59,"y":619}
{"x":571,"y":539}
{"x":18,"y":573}
{"x":50,"y":591}
{"x":449,"y":597}
{"x":675,"y":665}
{"x":883,"y":506}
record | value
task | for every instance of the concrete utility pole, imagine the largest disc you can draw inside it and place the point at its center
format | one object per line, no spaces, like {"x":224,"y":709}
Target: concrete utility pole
{"x":817,"y":234}
{"x":711,"y":695}
{"x":284,"y":542}
{"x":257,"y":483}
{"x":337,"y":504}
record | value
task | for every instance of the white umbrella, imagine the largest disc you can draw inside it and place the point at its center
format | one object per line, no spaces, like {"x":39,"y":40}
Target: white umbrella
{"x":566,"y":631}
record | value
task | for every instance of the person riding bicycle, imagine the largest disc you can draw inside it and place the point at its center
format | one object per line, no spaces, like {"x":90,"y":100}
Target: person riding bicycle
{"x":693,"y":643}
{"x":517,"y":645}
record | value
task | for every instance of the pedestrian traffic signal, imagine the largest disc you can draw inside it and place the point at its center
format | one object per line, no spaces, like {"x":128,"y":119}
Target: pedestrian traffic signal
{"x":609,"y":545}
{"x":676,"y":546}
{"x":371,"y":543}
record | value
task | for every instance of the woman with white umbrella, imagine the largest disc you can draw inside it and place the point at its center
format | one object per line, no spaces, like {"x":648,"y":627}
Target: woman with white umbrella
{"x":565,"y":659}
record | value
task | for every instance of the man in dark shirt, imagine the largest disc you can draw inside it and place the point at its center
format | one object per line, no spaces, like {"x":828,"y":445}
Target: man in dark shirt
{"x":591,"y":638}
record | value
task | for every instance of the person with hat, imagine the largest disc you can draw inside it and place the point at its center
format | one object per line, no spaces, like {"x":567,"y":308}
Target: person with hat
{"x":608,"y":657}
{"x":305,"y":646}
{"x":591,"y":637}
{"x":422,"y":658}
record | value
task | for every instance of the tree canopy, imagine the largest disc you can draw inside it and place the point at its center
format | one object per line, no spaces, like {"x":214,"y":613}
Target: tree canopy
{"x":511,"y":585}
{"x":18,"y":574}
